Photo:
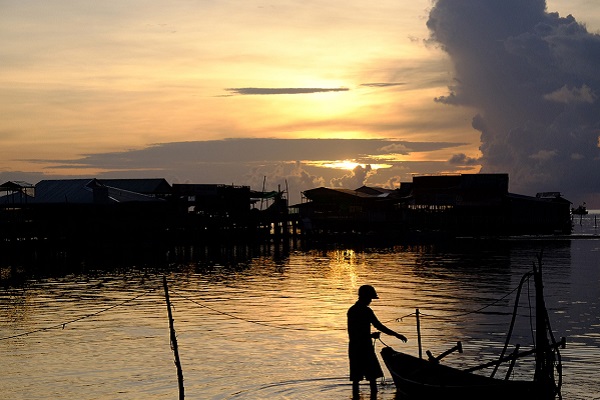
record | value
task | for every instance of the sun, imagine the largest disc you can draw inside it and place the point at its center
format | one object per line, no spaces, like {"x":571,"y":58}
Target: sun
{"x":345,"y":164}
{"x":349,"y":165}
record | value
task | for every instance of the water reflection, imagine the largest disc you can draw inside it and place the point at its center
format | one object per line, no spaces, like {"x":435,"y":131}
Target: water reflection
{"x":258,"y":323}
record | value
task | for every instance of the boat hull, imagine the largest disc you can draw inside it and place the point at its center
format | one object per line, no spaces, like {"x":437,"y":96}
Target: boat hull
{"x":417,"y":378}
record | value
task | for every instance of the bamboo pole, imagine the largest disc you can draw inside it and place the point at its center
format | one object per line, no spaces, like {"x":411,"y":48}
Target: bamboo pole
{"x":173,"y":339}
{"x":419,"y":334}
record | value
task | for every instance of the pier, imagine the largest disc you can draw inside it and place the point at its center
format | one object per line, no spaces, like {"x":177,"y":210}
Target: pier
{"x":86,"y":223}
{"x":79,"y":224}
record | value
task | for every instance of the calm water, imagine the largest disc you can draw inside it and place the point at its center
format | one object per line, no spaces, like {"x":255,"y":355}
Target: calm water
{"x":273,"y":327}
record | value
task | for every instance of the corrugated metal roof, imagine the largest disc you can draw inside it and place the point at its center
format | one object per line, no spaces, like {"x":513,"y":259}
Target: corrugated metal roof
{"x":153,"y":186}
{"x":375,"y":190}
{"x":64,"y":191}
{"x":84,"y":191}
{"x":121,"y":196}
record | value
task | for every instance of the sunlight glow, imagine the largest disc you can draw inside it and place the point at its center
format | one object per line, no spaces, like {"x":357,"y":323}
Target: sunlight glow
{"x":348,"y":165}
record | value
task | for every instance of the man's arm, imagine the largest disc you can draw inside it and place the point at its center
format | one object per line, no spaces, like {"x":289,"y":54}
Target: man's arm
{"x":381,"y":327}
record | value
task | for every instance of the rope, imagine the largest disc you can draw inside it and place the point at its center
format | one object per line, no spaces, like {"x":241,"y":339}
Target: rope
{"x":260,"y":323}
{"x":252,"y":321}
{"x":524,"y":279}
{"x":460,"y":314}
{"x":63,"y":324}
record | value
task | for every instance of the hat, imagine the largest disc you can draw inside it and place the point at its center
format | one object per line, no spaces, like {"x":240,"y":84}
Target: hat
{"x":367,"y":291}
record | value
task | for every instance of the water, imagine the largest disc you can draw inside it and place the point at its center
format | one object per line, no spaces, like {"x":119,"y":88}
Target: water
{"x":274,"y":326}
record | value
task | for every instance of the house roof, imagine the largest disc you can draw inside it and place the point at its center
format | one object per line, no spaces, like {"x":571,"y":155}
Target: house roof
{"x":84,"y":191}
{"x":321,"y":193}
{"x":15,"y":185}
{"x":64,"y":191}
{"x":375,"y":191}
{"x":121,"y":196}
{"x":538,"y":198}
{"x":154,"y":186}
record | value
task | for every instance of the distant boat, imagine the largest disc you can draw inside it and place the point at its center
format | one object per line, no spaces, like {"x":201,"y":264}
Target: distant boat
{"x":581,"y":210}
{"x":418,"y":378}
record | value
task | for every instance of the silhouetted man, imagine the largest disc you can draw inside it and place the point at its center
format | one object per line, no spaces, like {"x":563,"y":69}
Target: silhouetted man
{"x":363,"y":360}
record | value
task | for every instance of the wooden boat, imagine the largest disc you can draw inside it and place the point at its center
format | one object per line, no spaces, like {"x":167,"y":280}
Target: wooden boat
{"x":419,"y":378}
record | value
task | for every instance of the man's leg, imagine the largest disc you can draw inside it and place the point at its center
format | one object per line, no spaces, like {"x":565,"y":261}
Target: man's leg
{"x":355,"y":390}
{"x":373,"y":384}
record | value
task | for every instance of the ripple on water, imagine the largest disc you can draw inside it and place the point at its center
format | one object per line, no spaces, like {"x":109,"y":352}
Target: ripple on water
{"x":276,"y":328}
{"x":321,"y":388}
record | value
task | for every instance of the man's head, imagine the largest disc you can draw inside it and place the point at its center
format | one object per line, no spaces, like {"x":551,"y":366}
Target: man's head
{"x":367,"y":292}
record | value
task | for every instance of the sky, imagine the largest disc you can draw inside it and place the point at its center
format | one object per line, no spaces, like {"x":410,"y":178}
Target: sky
{"x":293,"y":95}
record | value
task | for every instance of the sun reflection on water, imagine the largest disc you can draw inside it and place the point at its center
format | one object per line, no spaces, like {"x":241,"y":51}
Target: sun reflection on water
{"x":275,"y":326}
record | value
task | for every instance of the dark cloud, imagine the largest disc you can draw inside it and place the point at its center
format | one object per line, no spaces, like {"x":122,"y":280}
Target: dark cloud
{"x":266,"y":91}
{"x":572,"y":95}
{"x":167,"y":155}
{"x":533,"y":78}
{"x":383,"y":84}
{"x":279,"y":162}
{"x":463,"y":159}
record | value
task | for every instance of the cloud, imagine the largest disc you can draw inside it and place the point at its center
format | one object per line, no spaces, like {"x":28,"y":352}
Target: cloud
{"x":355,"y":179}
{"x":577,"y":156}
{"x":292,"y":176}
{"x":380,"y":85}
{"x":295,"y":163}
{"x":544,"y":155}
{"x":531,"y":77}
{"x":397,"y":148}
{"x":463,"y":159}
{"x":573,"y":95}
{"x":244,"y":150}
{"x":270,"y":91}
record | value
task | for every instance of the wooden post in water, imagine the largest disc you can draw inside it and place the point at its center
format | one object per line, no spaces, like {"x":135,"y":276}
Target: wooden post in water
{"x":419,"y":334}
{"x":173,"y":338}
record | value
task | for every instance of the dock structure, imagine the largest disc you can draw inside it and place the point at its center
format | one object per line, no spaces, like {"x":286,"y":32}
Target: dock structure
{"x":125,"y":221}
{"x":148,"y":221}
{"x":436,"y":205}
{"x":15,"y":192}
